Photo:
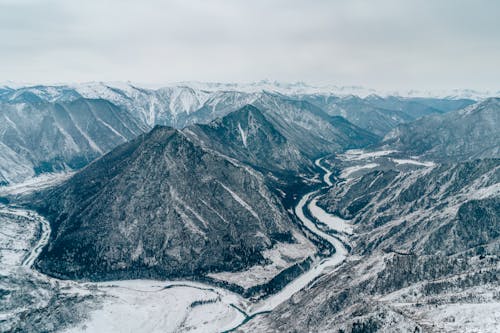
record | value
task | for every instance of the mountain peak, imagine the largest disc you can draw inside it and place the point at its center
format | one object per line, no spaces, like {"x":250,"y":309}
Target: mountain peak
{"x":156,"y":176}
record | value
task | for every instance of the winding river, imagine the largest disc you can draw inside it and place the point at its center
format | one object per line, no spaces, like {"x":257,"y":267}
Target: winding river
{"x":246,"y":310}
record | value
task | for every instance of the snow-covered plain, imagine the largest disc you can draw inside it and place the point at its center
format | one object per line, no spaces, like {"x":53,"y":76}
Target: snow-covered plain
{"x":161,"y":306}
{"x":281,"y":256}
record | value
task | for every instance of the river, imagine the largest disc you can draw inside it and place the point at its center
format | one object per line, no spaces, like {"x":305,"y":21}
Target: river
{"x":149,"y":304}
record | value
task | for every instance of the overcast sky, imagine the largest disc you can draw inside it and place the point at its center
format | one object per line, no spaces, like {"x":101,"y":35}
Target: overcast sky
{"x":383,"y":44}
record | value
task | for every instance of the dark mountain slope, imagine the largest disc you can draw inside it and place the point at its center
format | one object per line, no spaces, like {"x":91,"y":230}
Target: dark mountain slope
{"x":310,"y":128}
{"x":248,"y":136}
{"x":160,"y":206}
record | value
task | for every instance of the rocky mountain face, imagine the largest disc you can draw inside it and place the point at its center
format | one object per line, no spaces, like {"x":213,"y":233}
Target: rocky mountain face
{"x":160,"y":206}
{"x":248,"y":136}
{"x":38,"y":136}
{"x":310,"y":128}
{"x":425,"y":248}
{"x":380,"y":115}
{"x":365,"y":114}
{"x":49,"y":129}
{"x":202,"y":202}
{"x":451,"y":204}
{"x":285,"y":136}
{"x":465,"y":134}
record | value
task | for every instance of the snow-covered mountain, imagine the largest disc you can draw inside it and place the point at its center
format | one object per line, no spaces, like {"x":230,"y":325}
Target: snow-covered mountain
{"x":469,"y":133}
{"x":249,"y":136}
{"x":287,"y":88}
{"x":38,"y":137}
{"x":162,"y":206}
{"x":295,"y":109}
{"x":54,"y":128}
{"x":425,"y":250}
{"x":175,"y":104}
{"x":257,"y":197}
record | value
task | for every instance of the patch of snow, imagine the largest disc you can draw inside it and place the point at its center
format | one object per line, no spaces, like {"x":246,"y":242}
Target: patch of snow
{"x":243,"y":135}
{"x":332,"y":222}
{"x":350,"y":170}
{"x":35,"y":183}
{"x":486,"y":192}
{"x":359,"y":154}
{"x":481,"y":317}
{"x":91,"y":142}
{"x":242,"y":202}
{"x":408,"y":161}
{"x":281,"y":256}
{"x":328,"y":173}
{"x":160,"y":306}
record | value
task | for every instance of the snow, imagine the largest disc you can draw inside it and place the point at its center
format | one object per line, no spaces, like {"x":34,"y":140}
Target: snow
{"x":111,"y":128}
{"x":359,"y":154}
{"x":408,"y":161}
{"x":281,"y":256}
{"x":242,"y":202}
{"x":243,"y":135}
{"x":161,"y":306}
{"x":16,"y":234}
{"x":13,"y":166}
{"x":328,"y":173}
{"x":91,"y":142}
{"x":486,"y":192}
{"x":293,"y":88}
{"x":69,"y":142}
{"x":42,"y":241}
{"x":35,"y":183}
{"x":127,"y":306}
{"x":177,"y":306}
{"x":466,"y":317}
{"x":332,"y":222}
{"x":319,"y":268}
{"x":350,"y":170}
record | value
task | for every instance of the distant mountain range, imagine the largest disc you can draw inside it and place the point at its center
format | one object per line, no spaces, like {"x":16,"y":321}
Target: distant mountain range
{"x":54,"y":128}
{"x":465,"y":134}
{"x":324,"y":212}
{"x":287,"y":88}
{"x":233,"y":158}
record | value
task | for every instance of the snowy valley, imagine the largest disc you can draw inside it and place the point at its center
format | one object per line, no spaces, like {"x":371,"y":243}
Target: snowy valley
{"x":264,"y":208}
